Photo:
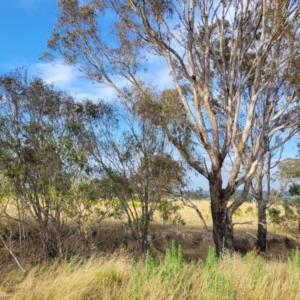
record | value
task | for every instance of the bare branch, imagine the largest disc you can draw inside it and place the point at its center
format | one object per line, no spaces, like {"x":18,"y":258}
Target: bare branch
{"x":187,"y":202}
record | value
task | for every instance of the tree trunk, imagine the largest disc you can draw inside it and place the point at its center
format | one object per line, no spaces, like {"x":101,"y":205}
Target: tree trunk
{"x":48,"y":243}
{"x":144,"y":241}
{"x":143,"y":234}
{"x":262,"y":227}
{"x":48,"y":239}
{"x":222,"y":221}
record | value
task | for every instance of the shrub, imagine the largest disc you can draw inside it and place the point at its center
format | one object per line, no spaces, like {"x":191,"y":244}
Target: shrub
{"x":275,"y":217}
{"x":249,"y":210}
{"x":238,"y":212}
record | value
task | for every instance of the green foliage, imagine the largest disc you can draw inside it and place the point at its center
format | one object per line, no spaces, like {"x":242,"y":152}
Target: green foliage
{"x":162,"y":169}
{"x":275,"y":217}
{"x":289,"y":213}
{"x":294,"y":189}
{"x":82,"y":204}
{"x":150,"y":265}
{"x":288,"y":169}
{"x":211,"y":262}
{"x":255,"y":264}
{"x":294,"y":266}
{"x":172,"y":263}
{"x":138,"y":281}
{"x":238,"y":212}
{"x":216,"y":285}
{"x":135,"y":203}
{"x":169,"y":212}
{"x":71,"y":263}
{"x":42,"y":156}
{"x":166,"y":269}
{"x":294,"y":261}
{"x":173,"y":260}
{"x":135,"y":169}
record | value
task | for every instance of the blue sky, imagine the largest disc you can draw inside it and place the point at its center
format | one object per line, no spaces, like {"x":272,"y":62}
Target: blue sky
{"x":25,"y":26}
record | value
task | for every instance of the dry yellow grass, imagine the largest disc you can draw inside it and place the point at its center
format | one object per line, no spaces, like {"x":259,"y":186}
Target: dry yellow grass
{"x":241,"y":216}
{"x":118,"y":277}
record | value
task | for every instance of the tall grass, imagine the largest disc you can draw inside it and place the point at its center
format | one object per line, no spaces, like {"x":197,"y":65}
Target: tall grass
{"x":120,"y":277}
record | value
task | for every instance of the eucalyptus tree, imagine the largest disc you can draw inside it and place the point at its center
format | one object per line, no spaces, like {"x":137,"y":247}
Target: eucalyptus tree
{"x":135,"y":168}
{"x":225,"y":58}
{"x":288,"y":171}
{"x":288,"y":174}
{"x":39,"y":152}
{"x":261,"y":192}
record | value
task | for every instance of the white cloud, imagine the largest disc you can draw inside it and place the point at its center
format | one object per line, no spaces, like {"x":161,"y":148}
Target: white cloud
{"x":58,"y":73}
{"x":70,"y":80}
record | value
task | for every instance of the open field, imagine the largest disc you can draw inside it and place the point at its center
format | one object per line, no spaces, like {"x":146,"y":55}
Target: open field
{"x":196,"y":239}
{"x":112,"y":235}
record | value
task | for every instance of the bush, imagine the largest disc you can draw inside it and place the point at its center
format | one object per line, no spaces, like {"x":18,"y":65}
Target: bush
{"x":238,"y":212}
{"x":249,"y":210}
{"x":274,"y":213}
{"x":275,"y":217}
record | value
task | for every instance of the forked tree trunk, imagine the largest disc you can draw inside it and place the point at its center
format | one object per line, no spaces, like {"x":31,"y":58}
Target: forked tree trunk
{"x":262,"y":226}
{"x":48,"y":243}
{"x":222,"y":221}
{"x":222,"y":229}
{"x":140,"y":236}
{"x":51,"y":236}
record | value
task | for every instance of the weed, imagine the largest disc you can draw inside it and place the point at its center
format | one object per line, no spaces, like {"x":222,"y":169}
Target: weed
{"x":238,"y":212}
{"x":211,"y":262}
{"x":294,"y":260}
{"x":150,"y":265}
{"x":255,"y":264}
{"x":138,"y":281}
{"x":71,"y":263}
{"x":294,"y":266}
{"x":216,"y":285}
{"x":227,"y":277}
{"x":173,"y":260}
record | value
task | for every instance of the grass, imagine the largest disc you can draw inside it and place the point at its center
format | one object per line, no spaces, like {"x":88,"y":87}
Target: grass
{"x":168,"y":276}
{"x":120,"y":277}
